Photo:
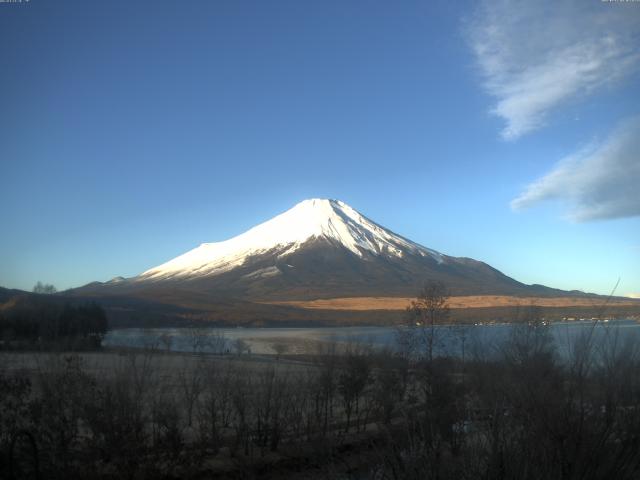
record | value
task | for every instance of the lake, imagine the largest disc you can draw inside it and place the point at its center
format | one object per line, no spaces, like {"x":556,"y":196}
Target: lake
{"x":449,"y":340}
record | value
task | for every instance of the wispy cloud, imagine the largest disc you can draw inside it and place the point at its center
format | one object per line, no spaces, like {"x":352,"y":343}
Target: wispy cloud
{"x":598,"y":182}
{"x":536,"y":55}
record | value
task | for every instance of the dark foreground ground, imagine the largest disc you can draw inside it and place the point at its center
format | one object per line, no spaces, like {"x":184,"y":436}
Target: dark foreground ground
{"x":513,"y":410}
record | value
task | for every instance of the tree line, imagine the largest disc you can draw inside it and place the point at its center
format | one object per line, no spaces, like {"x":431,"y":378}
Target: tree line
{"x":47,"y":322}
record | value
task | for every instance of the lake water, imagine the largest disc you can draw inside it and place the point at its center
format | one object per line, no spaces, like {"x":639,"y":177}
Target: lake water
{"x":448,"y":339}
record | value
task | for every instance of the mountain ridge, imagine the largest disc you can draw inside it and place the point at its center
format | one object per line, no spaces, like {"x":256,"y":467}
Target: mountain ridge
{"x":319,"y":249}
{"x":310,"y":219}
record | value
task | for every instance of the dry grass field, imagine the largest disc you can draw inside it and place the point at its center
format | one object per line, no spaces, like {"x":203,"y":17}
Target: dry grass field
{"x":471,"y":301}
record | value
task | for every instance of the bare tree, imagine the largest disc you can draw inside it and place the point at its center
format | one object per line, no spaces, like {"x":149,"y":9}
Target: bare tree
{"x":354,"y":376}
{"x":280,"y":349}
{"x":45,"y":288}
{"x":241,"y":389}
{"x":191,"y":383}
{"x":530,"y":338}
{"x":217,"y":342}
{"x":214,"y":410}
{"x":323,"y":388}
{"x":390,"y":385}
{"x":167,"y":341}
{"x":429,"y":309}
{"x":240,"y":346}
{"x":198,"y":339}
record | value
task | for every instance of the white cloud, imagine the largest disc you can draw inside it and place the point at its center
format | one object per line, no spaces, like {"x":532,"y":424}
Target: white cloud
{"x":598,"y":182}
{"x":535,"y":55}
{"x":633,"y":295}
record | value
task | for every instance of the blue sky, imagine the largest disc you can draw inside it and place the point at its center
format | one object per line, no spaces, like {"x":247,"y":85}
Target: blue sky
{"x":131,"y":132}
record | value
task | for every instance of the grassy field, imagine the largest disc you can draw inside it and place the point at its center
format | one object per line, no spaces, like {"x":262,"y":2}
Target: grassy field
{"x":471,"y":301}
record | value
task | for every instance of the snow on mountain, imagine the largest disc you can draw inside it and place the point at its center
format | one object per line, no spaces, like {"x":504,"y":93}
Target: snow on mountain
{"x":330,"y":220}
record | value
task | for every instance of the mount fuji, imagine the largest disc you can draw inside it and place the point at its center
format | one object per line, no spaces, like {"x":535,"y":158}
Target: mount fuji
{"x":319,"y":249}
{"x":311,"y":223}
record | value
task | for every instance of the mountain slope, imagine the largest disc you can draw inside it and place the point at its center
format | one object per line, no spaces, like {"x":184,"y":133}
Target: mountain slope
{"x":316,"y":219}
{"x":318,"y":249}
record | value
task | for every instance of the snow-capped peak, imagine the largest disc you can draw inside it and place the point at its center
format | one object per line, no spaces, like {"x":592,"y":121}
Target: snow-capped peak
{"x":331,"y":220}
